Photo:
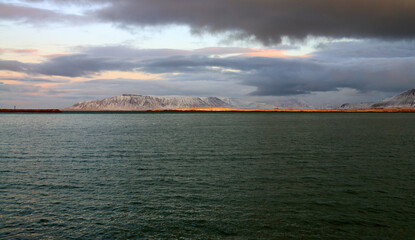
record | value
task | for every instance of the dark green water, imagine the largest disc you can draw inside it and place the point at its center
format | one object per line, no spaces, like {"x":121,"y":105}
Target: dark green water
{"x":207,"y":176}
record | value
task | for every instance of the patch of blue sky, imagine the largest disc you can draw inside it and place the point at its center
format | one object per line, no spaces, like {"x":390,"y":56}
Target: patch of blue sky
{"x":65,"y":37}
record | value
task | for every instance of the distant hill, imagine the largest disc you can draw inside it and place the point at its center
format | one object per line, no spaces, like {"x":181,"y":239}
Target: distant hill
{"x":402,"y":100}
{"x":127,"y":102}
{"x":290,"y":103}
{"x":361,"y":105}
{"x":143,"y":102}
{"x":405,"y":99}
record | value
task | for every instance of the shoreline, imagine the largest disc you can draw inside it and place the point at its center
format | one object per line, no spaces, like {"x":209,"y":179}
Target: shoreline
{"x":368,"y":110}
{"x":287,"y":110}
{"x":30,"y":110}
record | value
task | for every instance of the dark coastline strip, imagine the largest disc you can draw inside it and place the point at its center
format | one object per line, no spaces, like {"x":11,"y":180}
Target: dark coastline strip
{"x":384,"y":110}
{"x":379,"y":110}
{"x":30,"y":111}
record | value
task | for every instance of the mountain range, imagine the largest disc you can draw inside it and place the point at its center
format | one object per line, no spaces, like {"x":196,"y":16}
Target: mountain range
{"x":133,"y":102}
{"x":142,"y":102}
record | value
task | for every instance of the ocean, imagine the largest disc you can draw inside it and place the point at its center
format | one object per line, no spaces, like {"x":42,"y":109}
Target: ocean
{"x":207,"y":176}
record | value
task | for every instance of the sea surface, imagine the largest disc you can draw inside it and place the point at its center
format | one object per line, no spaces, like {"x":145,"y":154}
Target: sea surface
{"x":207,"y":176}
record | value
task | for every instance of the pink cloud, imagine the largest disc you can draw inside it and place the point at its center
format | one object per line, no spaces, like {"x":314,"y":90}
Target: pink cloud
{"x":32,"y":51}
{"x":271,"y":53}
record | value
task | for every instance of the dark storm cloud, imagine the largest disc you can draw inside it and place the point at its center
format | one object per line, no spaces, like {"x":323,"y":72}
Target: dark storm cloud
{"x":264,"y":20}
{"x":269,"y":20}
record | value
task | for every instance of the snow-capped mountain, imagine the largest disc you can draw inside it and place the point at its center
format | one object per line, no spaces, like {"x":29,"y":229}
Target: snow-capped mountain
{"x":405,"y":99}
{"x":402,"y":100}
{"x":142,"y":102}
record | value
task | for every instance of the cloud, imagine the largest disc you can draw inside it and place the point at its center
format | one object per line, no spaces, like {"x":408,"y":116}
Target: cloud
{"x":30,"y":51}
{"x":268,"y":21}
{"x":366,"y":49}
{"x":17,"y":89}
{"x":80,"y":65}
{"x":325,"y":71}
{"x":125,"y":52}
{"x":119,"y":51}
{"x":33,"y":80}
{"x":69,"y":66}
{"x":93,"y":60}
{"x":270,"y":53}
{"x":11,"y":65}
{"x":384,"y":75}
{"x":32,"y":15}
{"x":353,"y":65}
{"x":265,"y":20}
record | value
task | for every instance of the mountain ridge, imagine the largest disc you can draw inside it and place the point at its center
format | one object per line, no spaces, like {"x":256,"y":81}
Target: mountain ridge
{"x":137,"y":102}
{"x":127,"y":102}
{"x":405,"y":99}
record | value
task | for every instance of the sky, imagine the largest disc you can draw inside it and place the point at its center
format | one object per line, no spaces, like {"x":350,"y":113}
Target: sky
{"x":54,"y":53}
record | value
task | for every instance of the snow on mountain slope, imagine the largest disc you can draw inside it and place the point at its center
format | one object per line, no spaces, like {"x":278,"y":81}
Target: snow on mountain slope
{"x":405,"y":99}
{"x":361,"y":105}
{"x":402,"y":100}
{"x":142,"y":102}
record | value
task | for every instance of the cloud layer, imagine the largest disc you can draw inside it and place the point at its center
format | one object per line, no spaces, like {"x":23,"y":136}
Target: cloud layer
{"x":32,"y":15}
{"x":268,"y":20}
{"x":265,"y":20}
{"x":354,"y":65}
